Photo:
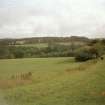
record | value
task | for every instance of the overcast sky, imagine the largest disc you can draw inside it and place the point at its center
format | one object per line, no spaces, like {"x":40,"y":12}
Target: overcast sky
{"x":28,"y":18}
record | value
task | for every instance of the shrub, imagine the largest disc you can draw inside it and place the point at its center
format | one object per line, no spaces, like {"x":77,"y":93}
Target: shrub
{"x":86,"y":53}
{"x":19,"y":54}
{"x":83,"y":56}
{"x":4,"y":52}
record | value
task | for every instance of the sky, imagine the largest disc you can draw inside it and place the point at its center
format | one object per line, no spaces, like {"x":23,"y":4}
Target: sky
{"x":34,"y":18}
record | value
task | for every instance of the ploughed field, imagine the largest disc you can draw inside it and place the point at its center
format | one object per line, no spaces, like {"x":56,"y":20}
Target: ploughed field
{"x":52,"y":81}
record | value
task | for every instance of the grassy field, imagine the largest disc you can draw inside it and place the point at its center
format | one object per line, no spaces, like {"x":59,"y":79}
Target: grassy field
{"x":39,"y":45}
{"x":54,"y":81}
{"x":44,"y":45}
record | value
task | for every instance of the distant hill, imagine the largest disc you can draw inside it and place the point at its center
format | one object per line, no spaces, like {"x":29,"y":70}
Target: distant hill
{"x":34,"y":40}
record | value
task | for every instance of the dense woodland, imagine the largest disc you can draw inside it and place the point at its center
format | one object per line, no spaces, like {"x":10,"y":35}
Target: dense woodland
{"x":81,"y":48}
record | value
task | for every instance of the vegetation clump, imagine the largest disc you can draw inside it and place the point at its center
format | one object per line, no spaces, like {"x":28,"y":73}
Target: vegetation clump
{"x":95,"y":49}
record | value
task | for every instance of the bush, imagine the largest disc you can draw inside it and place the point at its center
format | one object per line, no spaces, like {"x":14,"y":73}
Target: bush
{"x":17,"y":52}
{"x":83,"y":56}
{"x":4,"y":52}
{"x":86,"y":53}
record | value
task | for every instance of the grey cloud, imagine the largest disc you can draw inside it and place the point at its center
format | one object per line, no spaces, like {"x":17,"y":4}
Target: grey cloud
{"x":20,"y":18}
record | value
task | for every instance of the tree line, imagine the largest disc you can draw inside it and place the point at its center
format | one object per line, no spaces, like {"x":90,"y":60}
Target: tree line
{"x":52,"y":50}
{"x":90,"y":50}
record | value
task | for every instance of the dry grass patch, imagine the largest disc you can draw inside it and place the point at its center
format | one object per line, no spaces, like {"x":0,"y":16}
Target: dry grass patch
{"x":5,"y":84}
{"x":16,"y":80}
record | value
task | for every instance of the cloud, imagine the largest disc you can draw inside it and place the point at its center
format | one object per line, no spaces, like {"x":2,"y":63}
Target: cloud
{"x":24,"y":18}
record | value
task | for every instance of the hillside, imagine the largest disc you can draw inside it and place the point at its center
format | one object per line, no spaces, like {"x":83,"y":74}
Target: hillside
{"x":36,"y":40}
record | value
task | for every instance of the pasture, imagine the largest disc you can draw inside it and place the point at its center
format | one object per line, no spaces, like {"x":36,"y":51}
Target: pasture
{"x":52,"y":81}
{"x":44,"y":45}
{"x":38,"y":45}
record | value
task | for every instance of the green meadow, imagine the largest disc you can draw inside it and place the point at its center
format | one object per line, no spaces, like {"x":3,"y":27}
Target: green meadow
{"x":52,"y":81}
{"x":39,"y":45}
